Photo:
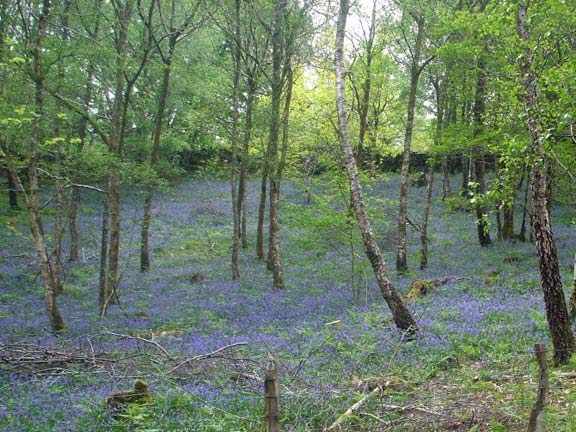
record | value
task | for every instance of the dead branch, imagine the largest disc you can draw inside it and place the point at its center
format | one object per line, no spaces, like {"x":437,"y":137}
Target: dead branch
{"x":205,"y":356}
{"x":338,"y":423}
{"x":34,"y":359}
{"x":149,"y":341}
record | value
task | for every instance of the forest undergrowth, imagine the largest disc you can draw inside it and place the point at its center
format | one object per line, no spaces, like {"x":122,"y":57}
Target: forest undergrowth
{"x":202,"y":341}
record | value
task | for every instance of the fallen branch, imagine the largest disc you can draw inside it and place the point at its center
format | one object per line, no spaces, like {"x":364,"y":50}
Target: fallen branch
{"x":205,"y":356}
{"x":34,"y":359}
{"x":353,"y":409}
{"x":150,"y":341}
{"x":402,"y":409}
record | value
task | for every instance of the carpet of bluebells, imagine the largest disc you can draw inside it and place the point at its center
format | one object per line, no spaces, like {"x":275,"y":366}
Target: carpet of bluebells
{"x":489,"y":311}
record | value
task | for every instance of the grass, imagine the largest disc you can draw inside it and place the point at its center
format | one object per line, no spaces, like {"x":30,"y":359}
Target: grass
{"x":471,"y":368}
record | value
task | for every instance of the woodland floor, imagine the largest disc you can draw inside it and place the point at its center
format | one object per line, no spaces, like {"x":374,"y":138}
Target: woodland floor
{"x":202,"y":341}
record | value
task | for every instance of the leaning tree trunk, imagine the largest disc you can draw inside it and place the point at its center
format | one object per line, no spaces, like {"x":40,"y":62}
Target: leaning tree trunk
{"x":556,"y":310}
{"x":402,"y":316}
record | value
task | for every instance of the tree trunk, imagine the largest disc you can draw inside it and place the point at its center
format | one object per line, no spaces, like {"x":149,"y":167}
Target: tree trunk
{"x":235,"y":137}
{"x":401,"y":260}
{"x":75,"y":195}
{"x":479,"y":110}
{"x":556,"y":311}
{"x":47,"y":268}
{"x":522,"y":233}
{"x":12,"y":192}
{"x":262,"y":207}
{"x":425,"y":217}
{"x":508,"y":223}
{"x":364,"y":99}
{"x":242,"y":186}
{"x":274,"y":257}
{"x":103,"y":295}
{"x":117,"y":118}
{"x":446,"y":189}
{"x":465,"y":189}
{"x":573,"y":296}
{"x":401,"y":315}
{"x":158,"y":122}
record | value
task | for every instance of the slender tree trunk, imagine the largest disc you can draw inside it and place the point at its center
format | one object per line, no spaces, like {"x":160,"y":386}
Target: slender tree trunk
{"x":522,"y":234}
{"x":242,"y":187}
{"x":401,"y":259}
{"x":118,"y":118}
{"x":425,"y":218}
{"x":556,"y":310}
{"x":235,"y":138}
{"x":401,"y":315}
{"x":12,"y":192}
{"x":47,"y":268}
{"x":465,"y":190}
{"x":508,"y":224}
{"x":479,"y":110}
{"x":75,"y":195}
{"x":573,"y":296}
{"x":58,"y":234}
{"x":274,"y":257}
{"x":262,"y":207}
{"x":364,"y":99}
{"x":149,"y":197}
{"x":446,"y":189}
{"x":103,"y":295}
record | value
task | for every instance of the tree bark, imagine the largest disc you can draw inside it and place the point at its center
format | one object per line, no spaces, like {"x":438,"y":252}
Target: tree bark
{"x":12,"y":192}
{"x":262,"y":207}
{"x":235,"y":138}
{"x":556,"y":311}
{"x":401,"y":315}
{"x":416,"y":69}
{"x":118,"y":116}
{"x":479,"y":110}
{"x":508,"y":223}
{"x":157,"y":134}
{"x":364,"y":99}
{"x":243,"y":183}
{"x":274,"y":256}
{"x":47,"y":267}
{"x":103,"y":295}
{"x":425,"y":218}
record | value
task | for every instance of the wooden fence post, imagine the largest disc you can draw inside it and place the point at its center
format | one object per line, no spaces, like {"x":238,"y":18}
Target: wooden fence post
{"x":537,"y":422}
{"x":272,"y":401}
